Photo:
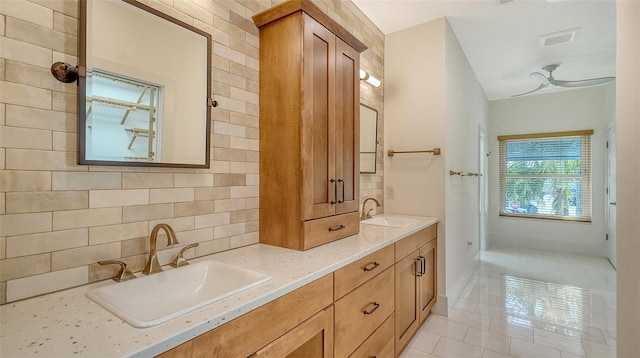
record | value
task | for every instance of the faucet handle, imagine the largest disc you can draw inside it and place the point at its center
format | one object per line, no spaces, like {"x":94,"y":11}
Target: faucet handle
{"x":124,"y":274}
{"x":368,"y":215}
{"x":180,"y":260}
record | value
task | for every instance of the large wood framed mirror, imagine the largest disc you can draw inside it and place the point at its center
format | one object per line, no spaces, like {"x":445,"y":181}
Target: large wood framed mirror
{"x":144,"y":89}
{"x":368,"y":139}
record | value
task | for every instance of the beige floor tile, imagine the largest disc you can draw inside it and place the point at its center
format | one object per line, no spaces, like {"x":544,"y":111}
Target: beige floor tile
{"x":491,"y":354}
{"x":564,"y":343}
{"x":485,"y":339}
{"x":441,"y":326}
{"x":569,"y":355}
{"x":471,"y":319}
{"x":424,"y":341}
{"x":597,"y":350}
{"x":466,"y":304}
{"x":447,"y":347}
{"x":414,"y":353}
{"x":522,"y":349}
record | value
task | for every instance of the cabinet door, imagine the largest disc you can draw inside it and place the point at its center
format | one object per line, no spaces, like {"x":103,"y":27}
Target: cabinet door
{"x":428,"y":281}
{"x":319,"y":182}
{"x":312,"y":338}
{"x":347,"y":126}
{"x":407,"y":316}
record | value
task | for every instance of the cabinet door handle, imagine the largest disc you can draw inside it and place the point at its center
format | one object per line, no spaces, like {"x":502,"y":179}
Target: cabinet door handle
{"x":341,"y":181}
{"x":336,"y":228}
{"x":371,"y":266}
{"x":423,"y":265}
{"x":335,"y":192}
{"x":418,"y":263}
{"x":373,"y":309}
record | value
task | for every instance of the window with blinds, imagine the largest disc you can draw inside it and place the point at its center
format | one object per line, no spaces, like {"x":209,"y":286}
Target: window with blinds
{"x":546,"y":175}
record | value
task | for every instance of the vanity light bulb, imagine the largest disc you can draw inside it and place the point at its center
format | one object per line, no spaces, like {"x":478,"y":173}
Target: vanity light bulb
{"x":373,"y":81}
{"x":363,"y":74}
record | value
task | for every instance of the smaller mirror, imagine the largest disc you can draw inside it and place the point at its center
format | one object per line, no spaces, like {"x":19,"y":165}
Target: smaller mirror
{"x":368,"y":139}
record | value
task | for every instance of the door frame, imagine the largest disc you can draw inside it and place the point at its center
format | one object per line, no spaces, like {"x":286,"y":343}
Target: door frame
{"x":611,"y":197}
{"x":482,"y":189}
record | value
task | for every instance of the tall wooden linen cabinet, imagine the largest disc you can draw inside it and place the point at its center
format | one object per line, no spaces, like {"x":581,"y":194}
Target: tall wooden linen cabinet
{"x":309,"y":127}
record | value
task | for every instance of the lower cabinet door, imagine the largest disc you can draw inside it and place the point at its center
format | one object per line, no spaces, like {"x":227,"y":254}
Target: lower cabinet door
{"x":428,"y":281}
{"x":312,"y":338}
{"x":407,"y":315}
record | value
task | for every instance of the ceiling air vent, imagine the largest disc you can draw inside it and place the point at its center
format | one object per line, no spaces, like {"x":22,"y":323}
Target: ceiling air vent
{"x":557,"y":38}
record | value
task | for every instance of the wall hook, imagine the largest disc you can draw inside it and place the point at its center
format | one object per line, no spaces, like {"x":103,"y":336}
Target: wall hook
{"x":64,"y":72}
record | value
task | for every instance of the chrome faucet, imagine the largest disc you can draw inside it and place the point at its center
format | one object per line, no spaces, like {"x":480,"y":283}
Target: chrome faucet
{"x":153,"y":265}
{"x":367,"y":214}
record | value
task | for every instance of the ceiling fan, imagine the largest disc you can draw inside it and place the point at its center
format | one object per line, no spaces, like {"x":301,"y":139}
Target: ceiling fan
{"x":552,"y":82}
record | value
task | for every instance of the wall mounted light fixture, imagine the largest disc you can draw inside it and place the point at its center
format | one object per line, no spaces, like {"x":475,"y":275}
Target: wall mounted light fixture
{"x":370,"y":79}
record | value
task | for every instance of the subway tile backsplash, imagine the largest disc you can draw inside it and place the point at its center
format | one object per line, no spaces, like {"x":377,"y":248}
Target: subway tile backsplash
{"x":58,"y":218}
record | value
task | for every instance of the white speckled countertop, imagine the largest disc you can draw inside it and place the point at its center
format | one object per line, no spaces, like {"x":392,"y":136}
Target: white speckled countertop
{"x":67,"y":323}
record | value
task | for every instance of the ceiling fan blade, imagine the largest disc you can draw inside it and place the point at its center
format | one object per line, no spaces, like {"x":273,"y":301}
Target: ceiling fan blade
{"x":542,"y":85}
{"x":540,"y":77}
{"x":584,"y":83}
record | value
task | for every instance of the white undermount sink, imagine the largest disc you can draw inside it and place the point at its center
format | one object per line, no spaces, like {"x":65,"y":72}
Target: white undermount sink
{"x":157,"y":298}
{"x":389,"y":221}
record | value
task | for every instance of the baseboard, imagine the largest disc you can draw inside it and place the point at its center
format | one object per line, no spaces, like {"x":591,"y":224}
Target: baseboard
{"x":597,"y":250}
{"x":441,"y":307}
{"x":446,"y":303}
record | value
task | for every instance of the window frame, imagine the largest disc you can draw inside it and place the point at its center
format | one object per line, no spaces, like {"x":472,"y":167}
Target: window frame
{"x":585,"y":175}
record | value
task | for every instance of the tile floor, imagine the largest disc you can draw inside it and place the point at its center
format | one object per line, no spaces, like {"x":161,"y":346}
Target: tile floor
{"x":527,"y":303}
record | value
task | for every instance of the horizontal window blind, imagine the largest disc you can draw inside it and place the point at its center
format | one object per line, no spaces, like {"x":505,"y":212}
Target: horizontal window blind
{"x":546,"y":175}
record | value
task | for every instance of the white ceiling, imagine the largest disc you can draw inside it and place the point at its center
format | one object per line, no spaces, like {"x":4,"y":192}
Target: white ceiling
{"x":501,"y":42}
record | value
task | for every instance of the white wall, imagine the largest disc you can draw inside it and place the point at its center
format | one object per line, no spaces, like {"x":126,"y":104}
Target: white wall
{"x":433,"y":99}
{"x":414,"y":110}
{"x":466,"y":110}
{"x":586,"y":108}
{"x":628,"y":176}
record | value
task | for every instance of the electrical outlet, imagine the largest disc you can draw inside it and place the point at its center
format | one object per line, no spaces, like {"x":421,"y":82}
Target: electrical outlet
{"x":391,"y":192}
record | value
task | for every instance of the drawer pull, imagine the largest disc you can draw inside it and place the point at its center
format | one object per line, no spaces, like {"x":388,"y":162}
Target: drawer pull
{"x":337,"y":228}
{"x":373,"y":309}
{"x":371,"y":266}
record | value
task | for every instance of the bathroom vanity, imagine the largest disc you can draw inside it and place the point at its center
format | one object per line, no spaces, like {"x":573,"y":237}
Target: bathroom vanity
{"x":353,"y":289}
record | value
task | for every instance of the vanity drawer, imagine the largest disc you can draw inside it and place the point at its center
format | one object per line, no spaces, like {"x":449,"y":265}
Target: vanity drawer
{"x":379,"y":344}
{"x":321,"y":231}
{"x":414,"y":241}
{"x":361,"y":312}
{"x":243,"y":336}
{"x":358,"y":272}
